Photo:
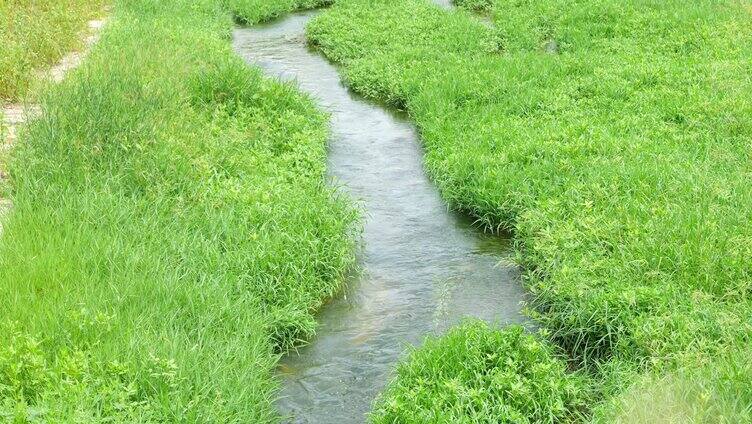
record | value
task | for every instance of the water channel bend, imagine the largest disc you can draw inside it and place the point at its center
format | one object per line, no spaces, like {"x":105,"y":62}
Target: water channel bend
{"x":424,"y":268}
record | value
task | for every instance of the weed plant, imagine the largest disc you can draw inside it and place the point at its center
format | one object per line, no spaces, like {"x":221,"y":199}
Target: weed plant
{"x":620,"y":159}
{"x":171,"y":233}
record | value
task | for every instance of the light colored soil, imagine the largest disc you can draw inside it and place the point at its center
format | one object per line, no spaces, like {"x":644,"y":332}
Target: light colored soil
{"x":14,"y":115}
{"x":74,"y":59}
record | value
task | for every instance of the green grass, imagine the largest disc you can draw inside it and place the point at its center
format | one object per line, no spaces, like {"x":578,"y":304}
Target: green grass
{"x":34,"y":34}
{"x":622,"y":163}
{"x":172,"y":231}
{"x":255,"y":11}
{"x":713,"y":390}
{"x":475,"y":374}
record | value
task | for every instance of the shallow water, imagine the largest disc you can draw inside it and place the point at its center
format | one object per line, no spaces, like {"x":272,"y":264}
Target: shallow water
{"x":423,"y":267}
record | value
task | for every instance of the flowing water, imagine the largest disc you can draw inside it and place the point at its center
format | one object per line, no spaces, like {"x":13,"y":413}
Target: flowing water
{"x":423,"y":268}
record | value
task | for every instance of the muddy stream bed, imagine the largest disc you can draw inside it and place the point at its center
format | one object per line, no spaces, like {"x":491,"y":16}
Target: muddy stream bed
{"x":422,"y":267}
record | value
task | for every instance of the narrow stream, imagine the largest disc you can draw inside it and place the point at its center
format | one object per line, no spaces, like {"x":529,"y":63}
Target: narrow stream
{"x":423,"y":267}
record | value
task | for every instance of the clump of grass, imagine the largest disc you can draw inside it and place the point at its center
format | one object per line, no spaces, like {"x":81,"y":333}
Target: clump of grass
{"x":254,"y":11}
{"x":619,"y":162}
{"x":177,"y":193}
{"x":476,"y":374}
{"x":34,"y":34}
{"x":474,"y":5}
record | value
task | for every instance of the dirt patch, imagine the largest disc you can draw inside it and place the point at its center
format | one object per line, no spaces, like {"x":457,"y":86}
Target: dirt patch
{"x":74,"y":59}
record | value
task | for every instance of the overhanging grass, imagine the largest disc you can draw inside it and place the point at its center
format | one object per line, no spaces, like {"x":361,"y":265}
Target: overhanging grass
{"x":171,"y":230}
{"x":475,"y":374}
{"x":621,"y":163}
{"x":34,"y":34}
{"x":254,"y":11}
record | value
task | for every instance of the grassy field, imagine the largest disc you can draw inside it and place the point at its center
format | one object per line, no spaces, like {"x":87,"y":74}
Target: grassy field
{"x":35,"y":34}
{"x":171,"y":232}
{"x":613,"y":139}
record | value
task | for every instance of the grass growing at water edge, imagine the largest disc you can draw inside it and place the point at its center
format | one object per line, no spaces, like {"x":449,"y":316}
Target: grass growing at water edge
{"x":255,"y":11}
{"x":621,"y":163}
{"x":171,"y":232}
{"x":476,"y":374}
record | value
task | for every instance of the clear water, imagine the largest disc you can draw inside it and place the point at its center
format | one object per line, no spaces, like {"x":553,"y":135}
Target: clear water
{"x":424,"y":268}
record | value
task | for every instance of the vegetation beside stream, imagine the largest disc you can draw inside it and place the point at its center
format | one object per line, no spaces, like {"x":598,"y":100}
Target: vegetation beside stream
{"x":476,"y":374}
{"x":613,"y":139}
{"x":171,"y":232}
{"x":255,"y":11}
